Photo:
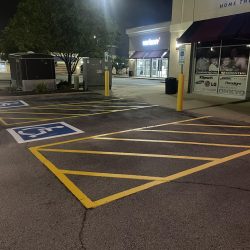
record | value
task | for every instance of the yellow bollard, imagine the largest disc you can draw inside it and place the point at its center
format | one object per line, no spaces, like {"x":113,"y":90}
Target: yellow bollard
{"x":180,"y":93}
{"x":106,"y":83}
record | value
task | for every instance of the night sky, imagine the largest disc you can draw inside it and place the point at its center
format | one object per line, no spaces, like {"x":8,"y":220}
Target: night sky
{"x":127,"y":13}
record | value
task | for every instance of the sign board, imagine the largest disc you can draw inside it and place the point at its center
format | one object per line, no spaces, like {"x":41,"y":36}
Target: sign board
{"x":206,"y":84}
{"x":42,"y":132}
{"x":106,"y":56}
{"x":13,"y":104}
{"x":181,"y":54}
{"x":233,"y":86}
{"x":151,"y":42}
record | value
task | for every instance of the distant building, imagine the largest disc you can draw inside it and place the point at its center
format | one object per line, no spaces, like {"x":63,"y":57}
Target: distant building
{"x":149,"y":50}
{"x":216,"y":40}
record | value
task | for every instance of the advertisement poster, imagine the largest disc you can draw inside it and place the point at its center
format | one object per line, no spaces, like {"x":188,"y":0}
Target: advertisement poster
{"x":232,"y":86}
{"x":206,"y":84}
{"x":207,"y":60}
{"x":234,"y":60}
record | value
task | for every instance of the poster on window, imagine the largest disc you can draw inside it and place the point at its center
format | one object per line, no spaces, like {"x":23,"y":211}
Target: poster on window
{"x":207,"y":60}
{"x":232,"y":86}
{"x":206,"y":84}
{"x":234,"y":60}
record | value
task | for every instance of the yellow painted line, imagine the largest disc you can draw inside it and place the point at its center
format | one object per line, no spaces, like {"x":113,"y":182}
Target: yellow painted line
{"x":213,"y":125}
{"x":35,"y":113}
{"x":64,"y":179}
{"x":194,"y":133}
{"x":172,"y":142}
{"x":168,"y":179}
{"x":118,"y":132}
{"x":66,"y":104}
{"x":127,"y":154}
{"x":4,"y":122}
{"x":76,"y":116}
{"x":109,"y":175}
{"x":12,"y":118}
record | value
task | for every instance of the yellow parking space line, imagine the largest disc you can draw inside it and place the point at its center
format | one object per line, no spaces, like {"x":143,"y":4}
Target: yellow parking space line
{"x":186,"y":157}
{"x":65,"y":104}
{"x":4,"y":122}
{"x":75,"y":116}
{"x":170,"y":178}
{"x":12,"y":118}
{"x":118,"y":132}
{"x":35,"y":113}
{"x":213,"y":125}
{"x":172,"y":142}
{"x":64,"y":179}
{"x":189,"y":132}
{"x":110,"y":175}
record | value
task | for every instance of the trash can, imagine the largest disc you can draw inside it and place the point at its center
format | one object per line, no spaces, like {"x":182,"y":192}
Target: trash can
{"x":130,"y":73}
{"x":171,"y":85}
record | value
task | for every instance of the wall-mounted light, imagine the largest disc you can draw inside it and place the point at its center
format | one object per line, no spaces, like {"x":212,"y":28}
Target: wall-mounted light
{"x":178,"y":45}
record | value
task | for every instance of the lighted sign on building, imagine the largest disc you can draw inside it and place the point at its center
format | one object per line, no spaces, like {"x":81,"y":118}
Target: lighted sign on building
{"x":151,"y":42}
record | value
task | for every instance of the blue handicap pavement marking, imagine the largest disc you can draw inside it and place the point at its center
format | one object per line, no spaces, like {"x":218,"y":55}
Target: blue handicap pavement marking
{"x":13,"y":104}
{"x":42,"y":131}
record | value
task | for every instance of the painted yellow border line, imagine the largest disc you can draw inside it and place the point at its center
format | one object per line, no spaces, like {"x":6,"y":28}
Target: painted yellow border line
{"x":35,"y":113}
{"x":66,"y":181}
{"x":69,"y":104}
{"x":213,"y":125}
{"x":74,"y":116}
{"x":54,"y":150}
{"x":194,"y":133}
{"x":168,"y":179}
{"x":118,"y":132}
{"x":172,"y":142}
{"x":109,"y":175}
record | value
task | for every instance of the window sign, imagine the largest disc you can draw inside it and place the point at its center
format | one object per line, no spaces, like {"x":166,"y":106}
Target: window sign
{"x":151,"y":42}
{"x":207,"y":60}
{"x":234,"y":60}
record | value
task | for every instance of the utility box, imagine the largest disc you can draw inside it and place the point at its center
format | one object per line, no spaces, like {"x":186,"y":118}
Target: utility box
{"x":28,"y":70}
{"x":93,"y":73}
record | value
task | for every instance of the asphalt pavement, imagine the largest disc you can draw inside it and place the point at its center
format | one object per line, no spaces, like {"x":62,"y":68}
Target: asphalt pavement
{"x":137,"y":176}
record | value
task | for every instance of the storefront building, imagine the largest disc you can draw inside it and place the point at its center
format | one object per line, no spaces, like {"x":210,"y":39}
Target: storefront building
{"x":215,"y":36}
{"x":149,"y":50}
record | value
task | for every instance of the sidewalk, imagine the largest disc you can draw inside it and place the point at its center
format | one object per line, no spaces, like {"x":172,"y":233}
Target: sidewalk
{"x":225,"y":108}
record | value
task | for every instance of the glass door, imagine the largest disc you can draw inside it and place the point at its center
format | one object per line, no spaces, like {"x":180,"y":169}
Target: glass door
{"x":154,"y":67}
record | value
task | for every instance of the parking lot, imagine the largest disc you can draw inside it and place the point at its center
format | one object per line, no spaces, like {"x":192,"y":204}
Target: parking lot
{"x":128,"y":176}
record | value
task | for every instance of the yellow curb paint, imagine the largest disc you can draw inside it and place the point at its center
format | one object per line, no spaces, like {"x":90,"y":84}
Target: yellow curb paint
{"x":110,"y":175}
{"x":118,"y":132}
{"x":66,"y":181}
{"x":213,"y":125}
{"x":128,"y":154}
{"x":172,"y":142}
{"x":168,"y":179}
{"x":194,"y":133}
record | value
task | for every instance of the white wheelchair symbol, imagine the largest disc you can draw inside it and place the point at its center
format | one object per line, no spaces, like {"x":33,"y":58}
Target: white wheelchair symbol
{"x":40,"y":131}
{"x":7,"y":104}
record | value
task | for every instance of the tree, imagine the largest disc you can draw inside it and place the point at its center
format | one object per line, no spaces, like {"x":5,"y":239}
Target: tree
{"x":68,"y":29}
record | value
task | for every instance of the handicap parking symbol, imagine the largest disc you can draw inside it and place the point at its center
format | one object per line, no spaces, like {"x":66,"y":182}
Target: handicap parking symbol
{"x":42,"y":131}
{"x":13,"y":104}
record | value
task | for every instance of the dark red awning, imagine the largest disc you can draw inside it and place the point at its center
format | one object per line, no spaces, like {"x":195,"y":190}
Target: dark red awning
{"x":150,"y":54}
{"x":217,"y":29}
{"x":138,"y":55}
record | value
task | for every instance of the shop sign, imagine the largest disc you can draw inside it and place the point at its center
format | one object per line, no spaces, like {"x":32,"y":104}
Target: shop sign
{"x":206,"y":83}
{"x":151,"y":42}
{"x":232,"y":85}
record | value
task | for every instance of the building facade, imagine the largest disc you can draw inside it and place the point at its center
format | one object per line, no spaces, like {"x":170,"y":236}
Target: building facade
{"x":149,"y":50}
{"x":215,"y":38}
